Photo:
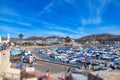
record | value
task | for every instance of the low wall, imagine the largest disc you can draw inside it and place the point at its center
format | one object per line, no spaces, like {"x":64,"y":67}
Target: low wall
{"x":93,"y":77}
{"x":114,"y":78}
{"x":5,"y":70}
{"x":4,"y":60}
{"x":104,"y":76}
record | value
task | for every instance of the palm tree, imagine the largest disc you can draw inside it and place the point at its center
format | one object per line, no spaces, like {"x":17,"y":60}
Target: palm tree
{"x":21,"y":37}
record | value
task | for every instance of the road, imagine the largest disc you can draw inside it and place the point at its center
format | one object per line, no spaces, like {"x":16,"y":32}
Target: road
{"x":44,"y":66}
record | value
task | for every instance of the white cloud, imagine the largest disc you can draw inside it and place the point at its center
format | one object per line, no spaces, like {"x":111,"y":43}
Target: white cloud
{"x":6,"y":20}
{"x":14,"y":21}
{"x":9,"y":29}
{"x":96,"y":20}
{"x":46,"y":8}
{"x":66,"y":29}
{"x":5,"y":28}
{"x":13,"y":30}
{"x":55,"y":30}
{"x":24,"y":23}
{"x":54,"y":26}
{"x":57,"y":27}
{"x":109,"y":29}
{"x":80,"y":28}
{"x":98,"y":7}
{"x":57,"y":33}
{"x":48,"y":33}
{"x":96,"y":10}
{"x":6,"y":10}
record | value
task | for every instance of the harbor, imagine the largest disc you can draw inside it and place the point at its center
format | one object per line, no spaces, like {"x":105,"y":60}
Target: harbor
{"x":96,"y":63}
{"x":62,"y":62}
{"x":76,"y":58}
{"x":58,"y":66}
{"x":59,"y":39}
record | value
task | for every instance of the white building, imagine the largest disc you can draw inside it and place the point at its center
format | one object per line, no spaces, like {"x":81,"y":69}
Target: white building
{"x":5,"y":41}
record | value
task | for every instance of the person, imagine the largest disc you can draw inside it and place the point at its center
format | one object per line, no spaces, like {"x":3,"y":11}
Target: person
{"x":31,"y":60}
{"x":85,"y":64}
{"x":105,"y":65}
{"x":112,"y":66}
{"x":20,"y":66}
{"x":47,"y":75}
{"x":68,"y":75}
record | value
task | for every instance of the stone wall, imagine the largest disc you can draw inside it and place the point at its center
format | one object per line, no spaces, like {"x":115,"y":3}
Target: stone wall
{"x":4,"y":60}
{"x":5,"y":70}
{"x":93,"y":77}
{"x":97,"y":77}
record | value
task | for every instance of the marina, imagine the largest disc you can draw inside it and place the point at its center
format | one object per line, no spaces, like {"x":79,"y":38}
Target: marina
{"x":86,"y":61}
{"x":59,"y":39}
{"x":79,"y":58}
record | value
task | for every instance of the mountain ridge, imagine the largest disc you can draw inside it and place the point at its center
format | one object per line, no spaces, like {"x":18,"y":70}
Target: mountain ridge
{"x":92,"y":37}
{"x":99,"y":37}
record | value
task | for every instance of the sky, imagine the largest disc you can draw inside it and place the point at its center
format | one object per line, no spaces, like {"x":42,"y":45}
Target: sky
{"x":74,"y":18}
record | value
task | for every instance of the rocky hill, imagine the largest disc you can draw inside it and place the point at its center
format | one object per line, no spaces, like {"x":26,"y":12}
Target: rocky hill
{"x":43,"y":38}
{"x":94,"y":37}
{"x":99,"y":37}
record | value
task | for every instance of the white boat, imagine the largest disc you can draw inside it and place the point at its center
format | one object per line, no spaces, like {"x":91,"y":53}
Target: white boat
{"x":72,"y":60}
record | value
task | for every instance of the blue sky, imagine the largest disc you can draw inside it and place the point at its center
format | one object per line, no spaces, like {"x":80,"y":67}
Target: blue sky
{"x":74,"y":18}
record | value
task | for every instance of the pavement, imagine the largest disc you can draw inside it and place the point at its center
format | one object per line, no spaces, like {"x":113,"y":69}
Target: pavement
{"x":37,"y":73}
{"x":57,"y":71}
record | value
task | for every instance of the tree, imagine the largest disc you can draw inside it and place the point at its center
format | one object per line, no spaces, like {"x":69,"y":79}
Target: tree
{"x":68,"y":39}
{"x":21,"y":37}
